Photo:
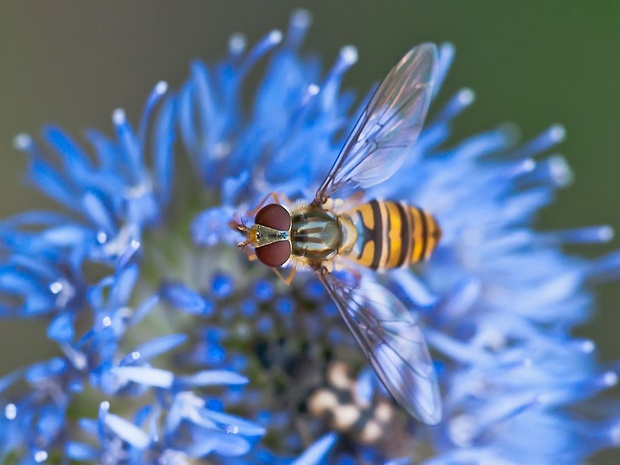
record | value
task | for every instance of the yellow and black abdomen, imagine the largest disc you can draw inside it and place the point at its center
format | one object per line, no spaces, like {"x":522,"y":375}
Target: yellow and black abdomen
{"x":392,"y":234}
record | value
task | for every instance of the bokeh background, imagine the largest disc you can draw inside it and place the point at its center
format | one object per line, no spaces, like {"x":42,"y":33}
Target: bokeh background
{"x":532,"y":63}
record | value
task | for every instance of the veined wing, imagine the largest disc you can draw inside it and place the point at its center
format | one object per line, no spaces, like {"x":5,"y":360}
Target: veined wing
{"x":388,"y":126}
{"x":392,"y":341}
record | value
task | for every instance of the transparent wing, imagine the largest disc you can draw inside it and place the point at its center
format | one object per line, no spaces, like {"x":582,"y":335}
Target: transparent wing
{"x":388,"y":126}
{"x":392,"y":341}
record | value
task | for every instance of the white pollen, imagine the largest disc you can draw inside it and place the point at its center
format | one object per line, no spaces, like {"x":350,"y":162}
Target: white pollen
{"x":118,"y":116}
{"x":106,"y":321}
{"x":56,"y":287}
{"x":40,"y":456}
{"x":466,"y":96}
{"x":338,"y":376}
{"x":22,"y":141}
{"x":232,"y":429}
{"x":462,"y":429}
{"x":528,"y":165}
{"x":345,"y":416}
{"x":275,"y":36}
{"x":446,"y":48}
{"x":610,"y":378}
{"x":348,"y":54}
{"x":371,"y":432}
{"x":587,"y":346}
{"x":102,"y":237}
{"x":313,"y":89}
{"x":161,"y":87}
{"x":560,"y":171}
{"x":10,"y":411}
{"x":614,"y":433}
{"x":322,"y":401}
{"x":606,"y":233}
{"x":384,"y":412}
{"x":302,"y":19}
{"x":557,"y":132}
{"x":237,"y":43}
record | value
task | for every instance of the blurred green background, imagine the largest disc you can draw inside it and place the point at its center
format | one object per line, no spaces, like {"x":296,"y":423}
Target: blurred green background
{"x":533,"y":63}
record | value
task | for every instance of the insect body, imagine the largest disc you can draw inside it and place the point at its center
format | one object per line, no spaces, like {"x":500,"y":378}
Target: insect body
{"x":328,"y":234}
{"x":392,"y":234}
{"x":378,"y":235}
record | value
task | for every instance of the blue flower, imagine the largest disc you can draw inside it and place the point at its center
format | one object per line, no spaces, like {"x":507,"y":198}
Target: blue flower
{"x":172,"y":347}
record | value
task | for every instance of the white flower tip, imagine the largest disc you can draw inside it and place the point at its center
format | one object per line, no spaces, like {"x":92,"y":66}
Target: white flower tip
{"x":348,"y":53}
{"x":56,"y":287}
{"x":313,"y":89}
{"x":560,"y":171}
{"x":610,"y":379}
{"x":118,"y":116}
{"x":40,"y":456}
{"x":528,"y":165}
{"x":10,"y":411}
{"x":105,"y":405}
{"x":101,"y":237}
{"x":301,"y":18}
{"x":22,"y":141}
{"x":606,"y":233}
{"x":237,"y":43}
{"x":557,"y":132}
{"x":106,"y":322}
{"x":614,"y":434}
{"x":587,"y":346}
{"x":275,"y":36}
{"x":466,"y":96}
{"x":446,"y":48}
{"x":161,"y":87}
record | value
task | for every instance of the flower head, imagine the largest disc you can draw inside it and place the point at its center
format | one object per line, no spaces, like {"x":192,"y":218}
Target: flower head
{"x":173,"y":347}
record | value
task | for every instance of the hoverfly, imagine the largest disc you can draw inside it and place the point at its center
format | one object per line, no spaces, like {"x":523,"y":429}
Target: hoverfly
{"x":326,"y":236}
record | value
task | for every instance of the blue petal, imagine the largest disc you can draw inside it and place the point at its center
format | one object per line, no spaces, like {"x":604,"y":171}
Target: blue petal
{"x":185,"y":299}
{"x":127,"y":431}
{"x":147,"y":376}
{"x":214,"y":378}
{"x":81,"y":451}
{"x":317,"y":452}
{"x":156,"y":347}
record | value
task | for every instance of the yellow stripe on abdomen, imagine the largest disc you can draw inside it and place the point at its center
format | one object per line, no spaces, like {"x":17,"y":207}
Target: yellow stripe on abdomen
{"x":396,"y":217}
{"x":392,"y":234}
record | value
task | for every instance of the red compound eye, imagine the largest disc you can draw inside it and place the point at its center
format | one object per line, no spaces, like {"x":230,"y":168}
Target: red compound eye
{"x":275,"y":254}
{"x":274,"y":216}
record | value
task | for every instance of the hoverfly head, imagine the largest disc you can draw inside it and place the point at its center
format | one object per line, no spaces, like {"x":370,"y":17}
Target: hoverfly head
{"x":272,"y":238}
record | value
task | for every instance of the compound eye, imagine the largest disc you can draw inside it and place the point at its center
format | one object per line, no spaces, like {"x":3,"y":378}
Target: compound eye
{"x":274,"y":254}
{"x":274,"y":216}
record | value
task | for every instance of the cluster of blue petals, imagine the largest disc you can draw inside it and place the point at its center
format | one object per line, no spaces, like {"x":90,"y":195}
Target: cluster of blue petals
{"x":497,"y":303}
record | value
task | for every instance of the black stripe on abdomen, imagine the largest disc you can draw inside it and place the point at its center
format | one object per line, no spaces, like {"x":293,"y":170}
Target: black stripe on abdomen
{"x":405,"y":234}
{"x":424,"y":235}
{"x":377,"y":234}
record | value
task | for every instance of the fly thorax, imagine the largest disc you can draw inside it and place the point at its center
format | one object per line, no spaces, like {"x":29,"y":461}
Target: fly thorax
{"x":315,"y":235}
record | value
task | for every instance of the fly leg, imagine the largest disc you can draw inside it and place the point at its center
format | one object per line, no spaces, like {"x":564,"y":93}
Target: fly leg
{"x":289,"y":279}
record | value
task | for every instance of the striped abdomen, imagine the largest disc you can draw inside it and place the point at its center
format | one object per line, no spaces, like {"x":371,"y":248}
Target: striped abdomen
{"x":392,"y":234}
